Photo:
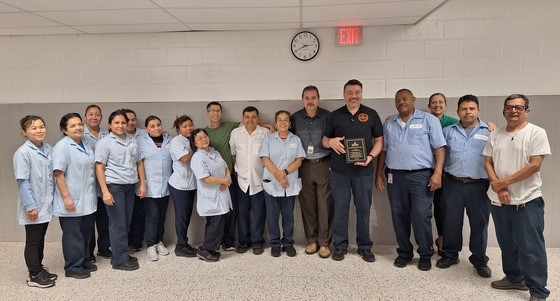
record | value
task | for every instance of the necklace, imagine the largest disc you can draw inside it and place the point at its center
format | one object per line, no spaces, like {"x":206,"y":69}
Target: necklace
{"x":512,"y":134}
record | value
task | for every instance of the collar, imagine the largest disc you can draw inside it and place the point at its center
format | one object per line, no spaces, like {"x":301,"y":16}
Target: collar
{"x":317,"y":115}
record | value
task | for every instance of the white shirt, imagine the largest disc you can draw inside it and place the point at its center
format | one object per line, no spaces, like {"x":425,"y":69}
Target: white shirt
{"x":210,"y":200}
{"x":511,"y":152}
{"x":248,"y":164}
{"x":182,"y":177}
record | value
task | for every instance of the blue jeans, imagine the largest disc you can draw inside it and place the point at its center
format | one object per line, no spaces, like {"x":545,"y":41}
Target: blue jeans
{"x":247,"y":204}
{"x":519,"y":230}
{"x":342,"y":186}
{"x":183,"y":202}
{"x":456,"y":197}
{"x":275,"y":206}
{"x":76,"y":237}
{"x":156,"y":208}
{"x":411,"y":204}
{"x":120,"y":215}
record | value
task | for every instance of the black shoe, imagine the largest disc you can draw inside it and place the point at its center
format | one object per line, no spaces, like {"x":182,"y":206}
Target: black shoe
{"x":40,"y":280}
{"x":275,"y":251}
{"x":242,"y":249}
{"x":132,"y":258}
{"x":136,"y":248}
{"x":445,"y":262}
{"x":81,"y":274}
{"x":90,"y":267}
{"x":338,"y":254}
{"x":50,"y":275}
{"x":215,"y":253}
{"x":483,"y":271}
{"x":129,"y":265}
{"x":229,"y":247}
{"x":258,"y":249}
{"x":91,"y":259}
{"x":425,"y":264}
{"x":206,"y":255}
{"x":107,"y":254}
{"x":187,"y":251}
{"x":290,"y":251}
{"x":401,"y":262}
{"x":366,"y":254}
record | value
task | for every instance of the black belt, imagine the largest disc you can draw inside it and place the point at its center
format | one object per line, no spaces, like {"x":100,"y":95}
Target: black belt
{"x":317,"y":160}
{"x":409,"y":171}
{"x":465,"y":180}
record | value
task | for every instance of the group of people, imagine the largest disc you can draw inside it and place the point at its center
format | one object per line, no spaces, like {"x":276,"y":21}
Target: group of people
{"x":246,"y":175}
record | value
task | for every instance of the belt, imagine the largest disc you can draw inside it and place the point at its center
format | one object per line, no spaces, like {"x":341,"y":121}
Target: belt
{"x":465,"y":180}
{"x":318,"y":159}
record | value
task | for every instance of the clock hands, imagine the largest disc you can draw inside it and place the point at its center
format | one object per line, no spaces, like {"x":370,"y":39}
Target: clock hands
{"x":302,"y":47}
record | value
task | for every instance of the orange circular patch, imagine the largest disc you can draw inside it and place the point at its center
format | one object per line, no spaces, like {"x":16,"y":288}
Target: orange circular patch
{"x":363,"y":117}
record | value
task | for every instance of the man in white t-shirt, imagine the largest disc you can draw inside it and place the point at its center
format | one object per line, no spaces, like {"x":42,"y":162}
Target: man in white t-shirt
{"x":514,"y":156}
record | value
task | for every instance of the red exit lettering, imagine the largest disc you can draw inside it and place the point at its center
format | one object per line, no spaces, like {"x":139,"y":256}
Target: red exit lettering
{"x":349,"y":36}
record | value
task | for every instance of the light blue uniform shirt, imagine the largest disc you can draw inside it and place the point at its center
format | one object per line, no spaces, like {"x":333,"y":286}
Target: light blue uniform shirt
{"x":210,"y":200}
{"x":35,"y":166}
{"x":92,"y":141}
{"x":78,"y":166}
{"x":120,"y":157}
{"x":157,"y":163}
{"x":463,"y":154}
{"x":282,"y":153}
{"x":182,"y":177}
{"x":411,"y":147}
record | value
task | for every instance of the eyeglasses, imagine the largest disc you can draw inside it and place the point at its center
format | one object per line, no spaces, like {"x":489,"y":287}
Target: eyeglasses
{"x":201,"y":138}
{"x":518,"y":108}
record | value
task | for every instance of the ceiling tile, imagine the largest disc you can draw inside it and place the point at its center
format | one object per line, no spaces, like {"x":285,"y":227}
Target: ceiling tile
{"x":108,"y":17}
{"x":8,"y":9}
{"x":242,"y":26}
{"x":133,"y":28}
{"x":237,"y":15}
{"x":365,"y":11}
{"x":23,"y":20}
{"x":26,"y":31}
{"x":62,"y":5}
{"x":363,"y":22}
{"x":224,"y":4}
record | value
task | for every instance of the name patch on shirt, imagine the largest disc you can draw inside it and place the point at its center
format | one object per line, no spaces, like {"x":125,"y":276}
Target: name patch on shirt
{"x":293,"y":145}
{"x":415,"y":126}
{"x":480,"y":137}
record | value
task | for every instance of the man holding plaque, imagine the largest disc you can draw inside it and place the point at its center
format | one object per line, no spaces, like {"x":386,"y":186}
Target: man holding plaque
{"x":355,"y":135}
{"x":413,"y":139}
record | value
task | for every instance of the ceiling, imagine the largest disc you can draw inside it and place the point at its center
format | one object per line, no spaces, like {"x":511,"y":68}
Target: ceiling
{"x":37,"y":17}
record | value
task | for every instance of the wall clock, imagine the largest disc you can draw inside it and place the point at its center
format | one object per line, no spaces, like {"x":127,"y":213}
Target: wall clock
{"x":305,"y":46}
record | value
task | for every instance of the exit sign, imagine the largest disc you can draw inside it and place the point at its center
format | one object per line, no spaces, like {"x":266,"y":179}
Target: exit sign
{"x":349,"y":36}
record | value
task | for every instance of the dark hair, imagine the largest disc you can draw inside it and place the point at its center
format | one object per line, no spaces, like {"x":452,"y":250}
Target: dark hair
{"x":405,"y":90}
{"x":193,"y":135}
{"x":116,"y":113}
{"x":352,"y":82}
{"x":26,"y":121}
{"x":514,"y":96}
{"x":129,"y":111}
{"x":251,"y":109}
{"x":179,"y":120}
{"x":281,"y":112}
{"x":150,"y":118}
{"x":313,"y":88}
{"x":92,"y":107}
{"x":213,"y":103}
{"x":436,"y":94}
{"x":468,"y":97}
{"x":64,"y":121}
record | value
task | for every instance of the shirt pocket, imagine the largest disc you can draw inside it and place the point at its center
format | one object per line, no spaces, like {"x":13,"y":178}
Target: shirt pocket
{"x":209,"y":203}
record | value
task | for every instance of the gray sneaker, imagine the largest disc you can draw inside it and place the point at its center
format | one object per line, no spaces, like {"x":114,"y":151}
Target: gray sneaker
{"x":505,"y":284}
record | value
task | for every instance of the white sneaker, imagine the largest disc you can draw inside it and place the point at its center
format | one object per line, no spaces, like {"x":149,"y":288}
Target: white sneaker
{"x":152,"y":253}
{"x":161,"y":249}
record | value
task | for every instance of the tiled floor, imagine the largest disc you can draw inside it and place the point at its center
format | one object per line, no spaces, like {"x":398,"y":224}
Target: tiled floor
{"x":250,"y":277}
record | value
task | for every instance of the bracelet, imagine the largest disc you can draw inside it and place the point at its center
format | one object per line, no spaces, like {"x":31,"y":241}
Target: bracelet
{"x":286,"y":171}
{"x":372,"y":157}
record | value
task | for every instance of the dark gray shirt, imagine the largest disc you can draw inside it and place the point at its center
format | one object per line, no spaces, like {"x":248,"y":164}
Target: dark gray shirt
{"x":310,"y":131}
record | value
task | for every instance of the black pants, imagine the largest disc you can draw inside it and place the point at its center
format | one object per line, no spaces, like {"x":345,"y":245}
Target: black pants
{"x":138,"y":223}
{"x":213,"y":232}
{"x":35,"y":247}
{"x":76,"y":237}
{"x":102,"y":225}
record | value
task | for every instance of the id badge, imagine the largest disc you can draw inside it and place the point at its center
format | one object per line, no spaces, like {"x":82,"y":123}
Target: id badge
{"x":310,"y":149}
{"x":390,"y":178}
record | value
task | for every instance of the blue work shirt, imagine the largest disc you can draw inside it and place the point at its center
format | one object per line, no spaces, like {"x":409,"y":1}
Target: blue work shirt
{"x":282,"y":153}
{"x":91,"y":139}
{"x":78,"y":166}
{"x":34,"y":165}
{"x":157,"y":163}
{"x":210,"y":200}
{"x":182,"y":177}
{"x":411,"y":147}
{"x":120,"y":157}
{"x":463,"y":154}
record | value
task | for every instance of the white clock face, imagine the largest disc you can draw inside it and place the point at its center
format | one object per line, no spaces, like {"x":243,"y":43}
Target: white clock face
{"x":305,"y":46}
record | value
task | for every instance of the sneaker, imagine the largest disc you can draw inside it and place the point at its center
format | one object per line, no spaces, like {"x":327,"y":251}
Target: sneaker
{"x":90,"y":267}
{"x":40,"y":280}
{"x":401,"y":262}
{"x":324,"y":252}
{"x":258,"y":249}
{"x":338,"y":254}
{"x":152,"y":253}
{"x":136,"y":248}
{"x":129,"y":265}
{"x":425,"y":264}
{"x":204,"y":254}
{"x":275,"y":251}
{"x":107,"y":254}
{"x":505,"y":284}
{"x":187,"y":251}
{"x":290,"y":251}
{"x":242,"y":249}
{"x":445,"y":262}
{"x":483,"y":271}
{"x":229,"y":247}
{"x":215,"y":253}
{"x":311,"y":248}
{"x":132,"y":258}
{"x":161,"y":249}
{"x":366,"y":254}
{"x":80,"y":274}
{"x":91,"y":259}
{"x":50,"y":275}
